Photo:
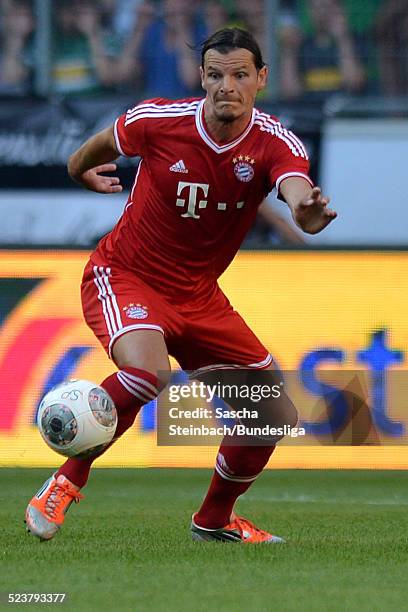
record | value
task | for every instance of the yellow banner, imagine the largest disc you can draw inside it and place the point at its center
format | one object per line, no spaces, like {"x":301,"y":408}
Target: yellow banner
{"x":311,"y":309}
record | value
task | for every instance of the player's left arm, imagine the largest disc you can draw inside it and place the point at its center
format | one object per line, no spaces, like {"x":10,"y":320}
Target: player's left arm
{"x":308,"y":205}
{"x":87,"y":165}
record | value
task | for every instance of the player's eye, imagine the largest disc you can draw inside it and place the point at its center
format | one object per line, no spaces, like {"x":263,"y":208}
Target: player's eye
{"x":213,"y":75}
{"x":241,"y":75}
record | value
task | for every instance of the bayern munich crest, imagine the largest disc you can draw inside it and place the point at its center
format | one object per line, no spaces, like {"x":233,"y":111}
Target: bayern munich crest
{"x":136,"y":311}
{"x":243,"y":168}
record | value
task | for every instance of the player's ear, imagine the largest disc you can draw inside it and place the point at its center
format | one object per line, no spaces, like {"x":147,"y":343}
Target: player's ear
{"x":262,"y":77}
{"x":202,"y":77}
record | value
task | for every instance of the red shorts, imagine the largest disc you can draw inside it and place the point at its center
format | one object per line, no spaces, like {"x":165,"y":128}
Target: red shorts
{"x":210,"y":336}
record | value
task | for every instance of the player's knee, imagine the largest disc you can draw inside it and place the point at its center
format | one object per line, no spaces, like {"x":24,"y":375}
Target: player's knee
{"x":144,"y":350}
{"x":163,"y":378}
{"x":279,"y":416}
{"x":292,"y":415}
{"x":286,"y":415}
{"x":279,"y":412}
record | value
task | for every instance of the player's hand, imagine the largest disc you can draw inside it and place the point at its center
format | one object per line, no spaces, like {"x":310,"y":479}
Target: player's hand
{"x":95,"y":181}
{"x":312,"y":214}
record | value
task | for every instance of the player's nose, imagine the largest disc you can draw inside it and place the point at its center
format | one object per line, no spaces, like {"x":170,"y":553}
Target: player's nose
{"x":227,"y":85}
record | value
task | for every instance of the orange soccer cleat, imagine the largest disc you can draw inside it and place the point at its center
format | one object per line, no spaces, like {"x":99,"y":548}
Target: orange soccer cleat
{"x":46,"y":511}
{"x":239,"y":529}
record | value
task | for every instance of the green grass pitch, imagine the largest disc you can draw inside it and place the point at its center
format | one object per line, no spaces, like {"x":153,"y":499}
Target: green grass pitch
{"x":127,"y":545}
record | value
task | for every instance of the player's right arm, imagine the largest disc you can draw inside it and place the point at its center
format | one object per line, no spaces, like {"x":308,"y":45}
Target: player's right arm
{"x":87,"y":165}
{"x":127,"y":137}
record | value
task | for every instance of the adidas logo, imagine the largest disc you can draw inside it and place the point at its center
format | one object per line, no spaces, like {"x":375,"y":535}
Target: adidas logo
{"x":179,"y":167}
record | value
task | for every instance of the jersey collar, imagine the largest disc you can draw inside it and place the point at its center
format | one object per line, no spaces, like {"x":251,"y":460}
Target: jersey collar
{"x":207,"y":138}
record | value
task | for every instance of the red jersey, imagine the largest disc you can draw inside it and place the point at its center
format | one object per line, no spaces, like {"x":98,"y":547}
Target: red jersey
{"x":193,"y":199}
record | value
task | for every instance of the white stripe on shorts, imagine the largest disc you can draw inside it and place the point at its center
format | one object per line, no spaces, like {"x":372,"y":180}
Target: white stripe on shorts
{"x":129,"y":328}
{"x":105,"y":276}
{"x":104,"y":299}
{"x":107,"y":297}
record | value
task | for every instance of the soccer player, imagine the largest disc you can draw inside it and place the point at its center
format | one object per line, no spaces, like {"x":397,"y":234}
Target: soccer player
{"x":150,"y":288}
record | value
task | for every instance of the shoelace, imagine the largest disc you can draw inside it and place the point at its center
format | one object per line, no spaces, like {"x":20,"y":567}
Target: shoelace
{"x":244,"y":523}
{"x":57,"y":495}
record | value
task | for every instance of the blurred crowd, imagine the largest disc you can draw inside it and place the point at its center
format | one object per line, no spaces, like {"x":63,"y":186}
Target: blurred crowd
{"x":151,"y":47}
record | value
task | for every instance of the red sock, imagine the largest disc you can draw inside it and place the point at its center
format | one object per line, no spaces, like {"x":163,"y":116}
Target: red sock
{"x":236,"y":469}
{"x":129,"y":389}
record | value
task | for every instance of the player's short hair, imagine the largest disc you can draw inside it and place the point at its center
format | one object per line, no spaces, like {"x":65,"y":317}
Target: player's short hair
{"x":227,"y":39}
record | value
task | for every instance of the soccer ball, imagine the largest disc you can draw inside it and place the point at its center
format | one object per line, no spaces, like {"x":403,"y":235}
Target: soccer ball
{"x":77,"y":418}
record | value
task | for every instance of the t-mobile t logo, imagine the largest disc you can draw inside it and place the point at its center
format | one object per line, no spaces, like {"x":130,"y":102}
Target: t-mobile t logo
{"x":192,"y":198}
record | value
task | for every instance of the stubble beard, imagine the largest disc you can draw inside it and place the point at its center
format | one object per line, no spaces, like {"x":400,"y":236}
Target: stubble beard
{"x":227,"y":119}
{"x":225,"y":116}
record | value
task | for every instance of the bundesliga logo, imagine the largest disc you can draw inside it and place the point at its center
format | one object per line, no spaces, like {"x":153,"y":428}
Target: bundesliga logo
{"x":243,"y":168}
{"x":136,"y":311}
